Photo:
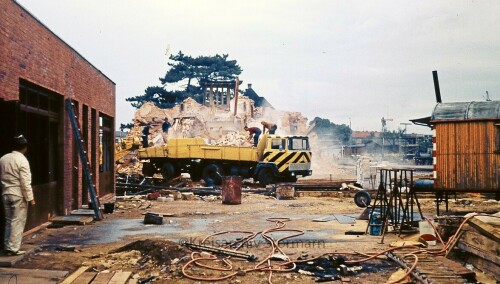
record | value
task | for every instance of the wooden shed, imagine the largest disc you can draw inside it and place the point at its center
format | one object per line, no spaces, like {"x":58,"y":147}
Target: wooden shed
{"x":466,"y":146}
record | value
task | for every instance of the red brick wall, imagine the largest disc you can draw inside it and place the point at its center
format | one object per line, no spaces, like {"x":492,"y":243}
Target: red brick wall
{"x":30,"y":51}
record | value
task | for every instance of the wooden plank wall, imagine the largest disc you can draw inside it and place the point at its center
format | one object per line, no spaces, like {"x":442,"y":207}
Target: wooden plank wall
{"x":465,"y":156}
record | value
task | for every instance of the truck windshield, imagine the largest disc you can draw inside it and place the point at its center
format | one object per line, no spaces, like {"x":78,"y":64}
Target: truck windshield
{"x":298,"y":144}
{"x":278,"y":144}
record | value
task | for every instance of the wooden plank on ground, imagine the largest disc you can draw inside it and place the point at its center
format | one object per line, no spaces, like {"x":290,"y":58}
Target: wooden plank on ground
{"x":492,"y":220}
{"x":493,"y":258}
{"x":11,"y":260}
{"x":485,"y":266}
{"x":85,"y":278}
{"x":83,"y":212}
{"x":75,"y":275}
{"x":120,"y":277}
{"x":72,"y":220}
{"x":34,"y":272}
{"x":481,"y":242}
{"x":16,"y":275}
{"x":103,"y":278}
{"x":456,"y":267}
{"x":486,"y":229}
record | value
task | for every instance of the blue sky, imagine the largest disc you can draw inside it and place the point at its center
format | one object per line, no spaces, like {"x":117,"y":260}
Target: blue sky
{"x":347,"y":61}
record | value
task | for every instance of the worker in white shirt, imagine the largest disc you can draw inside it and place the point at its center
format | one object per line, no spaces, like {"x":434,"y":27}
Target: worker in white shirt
{"x":15,"y":177}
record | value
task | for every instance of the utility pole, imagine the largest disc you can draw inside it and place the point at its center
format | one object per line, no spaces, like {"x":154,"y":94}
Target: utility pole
{"x":403,"y":141}
{"x":384,"y":129}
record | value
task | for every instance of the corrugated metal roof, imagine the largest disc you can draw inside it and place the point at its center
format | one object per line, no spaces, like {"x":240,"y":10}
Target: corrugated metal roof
{"x":467,"y":110}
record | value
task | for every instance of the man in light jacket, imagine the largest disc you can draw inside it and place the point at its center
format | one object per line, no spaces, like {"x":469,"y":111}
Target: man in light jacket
{"x":15,"y":176}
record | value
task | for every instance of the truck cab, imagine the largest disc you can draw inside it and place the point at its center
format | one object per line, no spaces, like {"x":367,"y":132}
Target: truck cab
{"x":282,"y":158}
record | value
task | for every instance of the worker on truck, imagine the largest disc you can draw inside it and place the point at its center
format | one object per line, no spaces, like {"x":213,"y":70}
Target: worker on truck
{"x":255,"y":133}
{"x":271,"y":127}
{"x":165,"y":127}
{"x":145,"y":134}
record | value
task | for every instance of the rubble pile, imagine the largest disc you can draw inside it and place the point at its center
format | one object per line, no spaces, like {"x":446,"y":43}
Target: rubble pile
{"x":187,"y":127}
{"x":234,"y":139}
{"x":189,"y":119}
{"x":147,"y":258}
{"x":130,"y":168}
{"x":216,"y":124}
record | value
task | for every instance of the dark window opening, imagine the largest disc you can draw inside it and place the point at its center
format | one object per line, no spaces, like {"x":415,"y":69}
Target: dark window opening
{"x":106,"y":143}
{"x":39,"y":111}
{"x":85,"y":137}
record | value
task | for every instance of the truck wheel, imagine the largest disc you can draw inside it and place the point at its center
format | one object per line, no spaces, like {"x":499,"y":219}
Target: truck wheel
{"x":168,"y":171}
{"x":234,"y":171}
{"x":266,"y":177}
{"x":212,"y":172}
{"x":362,"y":199}
{"x":148,"y":169}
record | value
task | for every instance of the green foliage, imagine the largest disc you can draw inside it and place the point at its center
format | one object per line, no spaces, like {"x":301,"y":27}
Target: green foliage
{"x":159,"y":96}
{"x":126,"y":126}
{"x":325,"y":127}
{"x":187,"y":72}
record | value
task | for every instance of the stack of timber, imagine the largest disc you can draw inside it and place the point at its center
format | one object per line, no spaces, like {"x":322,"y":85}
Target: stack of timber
{"x":433,"y":269}
{"x":481,"y":238}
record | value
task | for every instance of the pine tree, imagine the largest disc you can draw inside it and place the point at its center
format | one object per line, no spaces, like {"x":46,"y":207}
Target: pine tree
{"x":186,"y":73}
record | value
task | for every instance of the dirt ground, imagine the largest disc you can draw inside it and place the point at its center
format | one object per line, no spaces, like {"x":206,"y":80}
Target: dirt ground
{"x":123,"y":242}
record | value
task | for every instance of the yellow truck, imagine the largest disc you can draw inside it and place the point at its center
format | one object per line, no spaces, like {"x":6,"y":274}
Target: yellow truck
{"x":275,"y":159}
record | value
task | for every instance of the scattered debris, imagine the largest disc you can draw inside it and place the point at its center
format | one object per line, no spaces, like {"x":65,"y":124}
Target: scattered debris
{"x":152,"y":218}
{"x":59,"y":248}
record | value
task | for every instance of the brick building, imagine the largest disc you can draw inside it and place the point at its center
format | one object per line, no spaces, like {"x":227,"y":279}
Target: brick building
{"x":38,"y":72}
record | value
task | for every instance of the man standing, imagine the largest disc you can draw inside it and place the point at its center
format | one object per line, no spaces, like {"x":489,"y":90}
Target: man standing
{"x":16,"y":193}
{"x":271,"y":127}
{"x":255,"y":132}
{"x":165,"y":127}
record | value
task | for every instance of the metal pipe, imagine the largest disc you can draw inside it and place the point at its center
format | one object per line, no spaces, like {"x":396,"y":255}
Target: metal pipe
{"x":417,"y":275}
{"x":436,"y":86}
{"x":234,"y":253}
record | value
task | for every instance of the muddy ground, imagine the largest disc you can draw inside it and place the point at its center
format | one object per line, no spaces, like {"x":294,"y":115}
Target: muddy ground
{"x":123,"y":242}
